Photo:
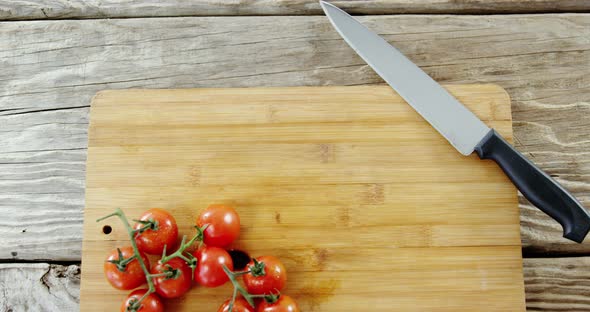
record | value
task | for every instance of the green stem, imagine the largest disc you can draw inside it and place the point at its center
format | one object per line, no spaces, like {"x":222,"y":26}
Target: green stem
{"x":178,"y":253}
{"x":121,"y":262}
{"x":191,"y":261}
{"x":233,"y":300}
{"x":142,"y":229}
{"x":107,"y":216}
{"x":125,"y":262}
{"x":270,"y":298}
{"x":119,"y":213}
{"x":237,"y":287}
{"x":187,"y":260}
{"x":241,"y":273}
{"x":137,"y":304}
{"x":258,"y":268}
{"x":167,"y":274}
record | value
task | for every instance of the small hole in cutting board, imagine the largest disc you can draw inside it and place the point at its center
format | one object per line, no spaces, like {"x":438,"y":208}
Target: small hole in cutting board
{"x":239,"y":258}
{"x":107,"y":229}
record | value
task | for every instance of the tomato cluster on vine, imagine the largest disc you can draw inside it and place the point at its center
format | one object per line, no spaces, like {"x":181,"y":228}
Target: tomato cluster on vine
{"x":202,"y":260}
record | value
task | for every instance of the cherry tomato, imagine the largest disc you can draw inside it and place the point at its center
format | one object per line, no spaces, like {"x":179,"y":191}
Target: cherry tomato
{"x":268,"y":280}
{"x":163,"y":231}
{"x":284,"y":304}
{"x":210,"y":261}
{"x":223,"y":225}
{"x":151,"y":303}
{"x":131,"y":275}
{"x":240,"y":305}
{"x":176,"y":285}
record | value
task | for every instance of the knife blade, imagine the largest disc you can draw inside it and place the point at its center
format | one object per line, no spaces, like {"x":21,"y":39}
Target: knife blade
{"x":458,"y":125}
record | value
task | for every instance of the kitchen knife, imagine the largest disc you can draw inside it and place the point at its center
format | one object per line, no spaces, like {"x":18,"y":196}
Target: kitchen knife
{"x":459,"y":125}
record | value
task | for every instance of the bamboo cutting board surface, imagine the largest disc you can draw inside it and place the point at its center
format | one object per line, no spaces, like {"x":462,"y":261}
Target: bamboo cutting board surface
{"x":369,"y":207}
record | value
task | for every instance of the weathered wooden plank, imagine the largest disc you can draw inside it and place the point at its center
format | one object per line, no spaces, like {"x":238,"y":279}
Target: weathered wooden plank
{"x":64,"y":9}
{"x":557,"y":284}
{"x":552,"y":284}
{"x":39,"y":287}
{"x":42,"y":165}
{"x":51,"y":69}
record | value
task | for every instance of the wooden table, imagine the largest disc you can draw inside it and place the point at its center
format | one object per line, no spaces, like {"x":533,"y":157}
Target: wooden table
{"x":57,"y":54}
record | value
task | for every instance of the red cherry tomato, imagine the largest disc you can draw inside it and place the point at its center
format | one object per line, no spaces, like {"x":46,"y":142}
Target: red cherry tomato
{"x":210,"y":261}
{"x":163,"y":231}
{"x":131,"y":275}
{"x":151,"y":303}
{"x":284,"y":304}
{"x":269,"y":280}
{"x":176,"y":285}
{"x":223,"y":225}
{"x":240,"y":305}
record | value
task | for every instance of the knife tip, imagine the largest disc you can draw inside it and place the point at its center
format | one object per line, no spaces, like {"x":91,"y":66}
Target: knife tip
{"x":328,"y":7}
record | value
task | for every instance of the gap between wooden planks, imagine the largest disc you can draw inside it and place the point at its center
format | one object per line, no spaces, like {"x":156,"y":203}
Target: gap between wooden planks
{"x":67,"y":9}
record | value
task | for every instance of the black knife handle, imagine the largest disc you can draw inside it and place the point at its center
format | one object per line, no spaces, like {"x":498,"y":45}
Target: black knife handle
{"x":538,"y":187}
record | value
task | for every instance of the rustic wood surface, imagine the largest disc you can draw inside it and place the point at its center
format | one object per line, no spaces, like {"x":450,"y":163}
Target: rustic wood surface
{"x":39,"y":287}
{"x":62,"y":9}
{"x":557,"y":284}
{"x":52,"y":69}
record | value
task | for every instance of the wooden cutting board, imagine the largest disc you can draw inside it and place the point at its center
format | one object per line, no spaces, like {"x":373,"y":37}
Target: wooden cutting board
{"x":369,"y":207}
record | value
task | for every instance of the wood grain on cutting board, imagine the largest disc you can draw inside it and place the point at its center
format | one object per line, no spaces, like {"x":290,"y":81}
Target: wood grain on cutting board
{"x":366,"y":204}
